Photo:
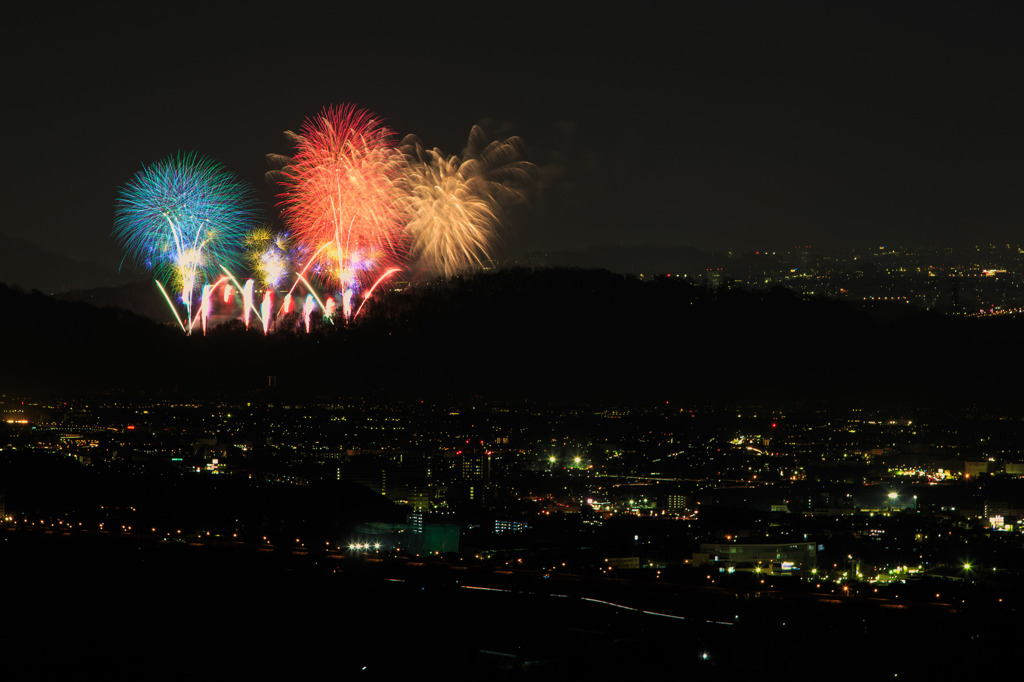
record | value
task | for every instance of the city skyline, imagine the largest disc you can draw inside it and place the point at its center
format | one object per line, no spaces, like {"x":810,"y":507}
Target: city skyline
{"x":779,"y":538}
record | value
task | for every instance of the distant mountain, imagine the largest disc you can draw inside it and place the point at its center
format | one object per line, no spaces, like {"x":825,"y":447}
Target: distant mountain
{"x":648,"y":259}
{"x":33,"y":267}
{"x":141,"y":297}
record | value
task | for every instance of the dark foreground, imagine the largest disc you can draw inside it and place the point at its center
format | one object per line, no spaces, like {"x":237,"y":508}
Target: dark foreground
{"x":111,"y":608}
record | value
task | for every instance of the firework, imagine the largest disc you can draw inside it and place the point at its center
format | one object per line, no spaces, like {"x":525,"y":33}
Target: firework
{"x":280,"y":165}
{"x":268,"y":256}
{"x":341,"y":199}
{"x":454,"y":204}
{"x":183,"y":217}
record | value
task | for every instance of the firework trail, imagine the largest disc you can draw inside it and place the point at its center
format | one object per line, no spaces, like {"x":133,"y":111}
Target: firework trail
{"x":346,"y":303}
{"x":300,"y":277}
{"x":183,"y":217}
{"x":375,"y":285}
{"x":170,"y":304}
{"x":265,"y":309}
{"x":307,"y":310}
{"x":247,"y":298}
{"x":206,"y":305}
{"x":342,"y":198}
{"x":454,"y":204}
{"x":206,"y":302}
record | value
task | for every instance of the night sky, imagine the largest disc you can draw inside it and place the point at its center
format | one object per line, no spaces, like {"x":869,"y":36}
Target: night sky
{"x":739,"y":126}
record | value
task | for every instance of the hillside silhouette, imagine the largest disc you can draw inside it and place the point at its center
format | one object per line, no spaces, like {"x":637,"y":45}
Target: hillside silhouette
{"x":558,"y":334}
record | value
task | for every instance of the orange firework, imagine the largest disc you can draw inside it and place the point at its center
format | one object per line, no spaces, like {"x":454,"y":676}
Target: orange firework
{"x":342,"y":198}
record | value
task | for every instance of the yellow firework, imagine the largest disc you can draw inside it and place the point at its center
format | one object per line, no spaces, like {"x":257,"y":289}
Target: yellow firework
{"x":268,"y":255}
{"x":454,"y":205}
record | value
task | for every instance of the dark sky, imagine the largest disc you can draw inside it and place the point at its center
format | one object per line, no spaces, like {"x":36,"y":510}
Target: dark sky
{"x":736,"y":126}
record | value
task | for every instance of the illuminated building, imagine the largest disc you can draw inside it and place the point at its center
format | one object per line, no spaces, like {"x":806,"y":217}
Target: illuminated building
{"x":501,"y":526}
{"x":772,"y":557}
{"x":467,"y":473}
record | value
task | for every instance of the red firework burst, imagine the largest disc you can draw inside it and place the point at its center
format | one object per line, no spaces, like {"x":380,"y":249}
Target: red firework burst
{"x":342,"y":197}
